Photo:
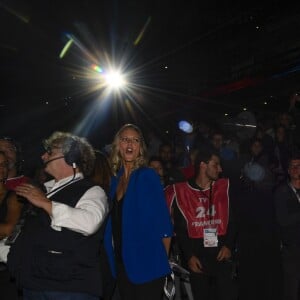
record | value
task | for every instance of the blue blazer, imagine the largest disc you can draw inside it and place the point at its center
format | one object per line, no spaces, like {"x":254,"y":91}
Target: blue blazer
{"x":145,"y":222}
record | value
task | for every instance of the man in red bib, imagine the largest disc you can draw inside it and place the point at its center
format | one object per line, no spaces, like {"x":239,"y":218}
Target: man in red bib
{"x":204,"y":228}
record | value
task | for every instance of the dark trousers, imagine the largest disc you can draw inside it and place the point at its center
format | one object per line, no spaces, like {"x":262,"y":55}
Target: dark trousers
{"x":152,"y":290}
{"x":51,"y":295}
{"x":291,"y":284}
{"x":217,"y":285}
{"x":291,"y":273}
{"x":108,"y":281}
{"x":291,"y":288}
{"x":8,"y":289}
{"x":260,"y":275}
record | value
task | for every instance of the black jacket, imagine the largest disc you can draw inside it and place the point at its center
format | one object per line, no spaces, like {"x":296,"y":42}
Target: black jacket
{"x":288,"y":215}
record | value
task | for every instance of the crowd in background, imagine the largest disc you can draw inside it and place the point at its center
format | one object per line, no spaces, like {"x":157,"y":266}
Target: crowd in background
{"x":256,"y":164}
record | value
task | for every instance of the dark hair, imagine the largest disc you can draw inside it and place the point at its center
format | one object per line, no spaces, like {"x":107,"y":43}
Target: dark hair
{"x":101,"y":173}
{"x":216,"y":132}
{"x":155,"y":158}
{"x":164,"y":144}
{"x":204,"y":155}
{"x":294,"y":156}
{"x":254,"y":140}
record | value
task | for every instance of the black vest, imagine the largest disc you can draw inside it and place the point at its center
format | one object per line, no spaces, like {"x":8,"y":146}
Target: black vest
{"x":54,"y":260}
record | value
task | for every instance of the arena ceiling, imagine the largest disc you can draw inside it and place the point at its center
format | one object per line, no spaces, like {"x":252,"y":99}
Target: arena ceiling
{"x":186,"y":59}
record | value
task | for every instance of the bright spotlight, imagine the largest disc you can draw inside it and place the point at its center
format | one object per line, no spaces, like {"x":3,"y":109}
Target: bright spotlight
{"x":115,"y":80}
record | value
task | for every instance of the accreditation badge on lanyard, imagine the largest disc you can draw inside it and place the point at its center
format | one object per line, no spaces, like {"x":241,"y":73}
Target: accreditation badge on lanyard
{"x":210,"y":232}
{"x":210,"y":236}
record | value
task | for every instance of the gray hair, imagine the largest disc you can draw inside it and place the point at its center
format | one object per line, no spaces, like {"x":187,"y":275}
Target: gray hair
{"x":65,"y":140}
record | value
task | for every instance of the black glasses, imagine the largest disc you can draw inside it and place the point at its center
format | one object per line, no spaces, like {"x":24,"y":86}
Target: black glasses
{"x":49,"y":149}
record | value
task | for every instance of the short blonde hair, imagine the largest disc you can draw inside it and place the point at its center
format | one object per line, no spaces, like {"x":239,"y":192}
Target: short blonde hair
{"x":115,"y":157}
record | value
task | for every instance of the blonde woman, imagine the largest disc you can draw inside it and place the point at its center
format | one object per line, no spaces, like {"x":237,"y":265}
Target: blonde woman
{"x":139,"y":228}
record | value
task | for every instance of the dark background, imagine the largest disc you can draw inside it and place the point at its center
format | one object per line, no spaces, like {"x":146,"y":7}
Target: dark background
{"x":196,"y":60}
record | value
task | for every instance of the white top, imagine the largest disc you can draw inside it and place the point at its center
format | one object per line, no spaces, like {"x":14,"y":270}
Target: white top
{"x":88,"y":214}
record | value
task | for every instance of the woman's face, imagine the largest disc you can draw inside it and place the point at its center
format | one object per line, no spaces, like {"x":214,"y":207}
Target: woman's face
{"x":129,"y":145}
{"x":3,"y":167}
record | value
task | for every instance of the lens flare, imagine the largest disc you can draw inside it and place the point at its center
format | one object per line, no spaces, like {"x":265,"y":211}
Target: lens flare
{"x":97,"y":68}
{"x":142,"y":32}
{"x":66,"y":48}
{"x":115,"y":80}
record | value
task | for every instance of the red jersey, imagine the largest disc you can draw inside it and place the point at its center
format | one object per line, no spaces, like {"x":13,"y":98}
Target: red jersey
{"x":201,"y":208}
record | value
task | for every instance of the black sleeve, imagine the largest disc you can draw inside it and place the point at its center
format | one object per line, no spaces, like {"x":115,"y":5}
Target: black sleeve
{"x":184,"y":242}
{"x":284,"y":217}
{"x":231,"y":234}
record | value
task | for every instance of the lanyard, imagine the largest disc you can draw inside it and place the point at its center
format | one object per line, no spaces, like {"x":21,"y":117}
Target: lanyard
{"x":51,"y":193}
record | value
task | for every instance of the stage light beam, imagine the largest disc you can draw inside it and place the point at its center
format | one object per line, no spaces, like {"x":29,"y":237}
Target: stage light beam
{"x":115,"y":80}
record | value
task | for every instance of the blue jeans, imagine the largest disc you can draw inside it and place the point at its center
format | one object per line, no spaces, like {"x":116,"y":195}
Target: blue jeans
{"x":52,"y":295}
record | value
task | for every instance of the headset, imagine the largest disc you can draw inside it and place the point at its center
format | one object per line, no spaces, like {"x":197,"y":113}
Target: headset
{"x":73,"y":155}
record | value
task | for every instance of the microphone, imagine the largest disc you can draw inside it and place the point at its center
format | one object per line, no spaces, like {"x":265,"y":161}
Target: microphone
{"x":48,"y":161}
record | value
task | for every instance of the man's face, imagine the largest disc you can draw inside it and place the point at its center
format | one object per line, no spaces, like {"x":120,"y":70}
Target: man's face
{"x":10,"y":152}
{"x":3,"y":167}
{"x":256,"y":148}
{"x":217,"y":141}
{"x":165,"y":153}
{"x":280,"y":134}
{"x":294,"y":169}
{"x":213,"y":168}
{"x":157,"y":166}
{"x":285,"y":120}
{"x":53,"y":165}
